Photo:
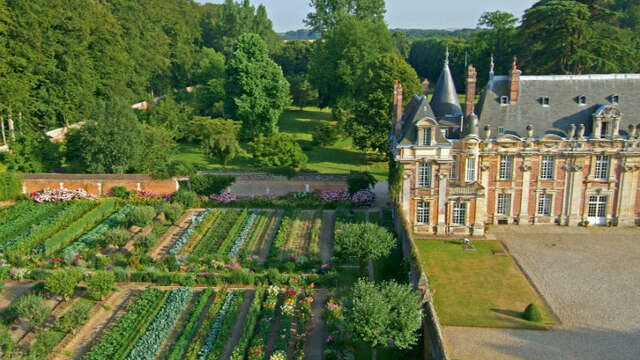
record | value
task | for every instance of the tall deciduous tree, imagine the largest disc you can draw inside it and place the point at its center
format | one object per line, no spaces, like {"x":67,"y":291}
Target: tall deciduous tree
{"x":279,"y":150}
{"x":339,"y":60}
{"x":362,"y":241}
{"x":329,"y":13}
{"x":384,"y":314}
{"x":370,"y":125}
{"x":218,"y":137}
{"x":257,"y":91}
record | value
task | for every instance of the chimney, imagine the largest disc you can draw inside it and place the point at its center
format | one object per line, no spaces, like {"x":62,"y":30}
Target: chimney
{"x":398,"y":111}
{"x":514,"y":82}
{"x":472,"y":77}
{"x":425,"y":87}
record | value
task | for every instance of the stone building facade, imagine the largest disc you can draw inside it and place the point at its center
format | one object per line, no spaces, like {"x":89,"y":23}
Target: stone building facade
{"x":540,"y":150}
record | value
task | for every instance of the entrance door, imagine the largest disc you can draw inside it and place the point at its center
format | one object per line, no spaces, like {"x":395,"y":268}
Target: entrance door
{"x":597,"y":210}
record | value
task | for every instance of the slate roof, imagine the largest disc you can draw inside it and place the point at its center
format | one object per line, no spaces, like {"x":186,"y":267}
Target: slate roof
{"x":564,"y":109}
{"x":417,"y":110}
{"x":445,"y":99}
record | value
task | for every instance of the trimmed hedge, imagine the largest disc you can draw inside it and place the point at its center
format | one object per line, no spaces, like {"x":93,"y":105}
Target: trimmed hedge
{"x":532,"y":313}
{"x":10,"y":186}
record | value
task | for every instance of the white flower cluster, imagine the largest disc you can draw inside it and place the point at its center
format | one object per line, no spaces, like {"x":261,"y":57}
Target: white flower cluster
{"x":186,"y":235}
{"x":273,"y":290}
{"x":243,"y":235}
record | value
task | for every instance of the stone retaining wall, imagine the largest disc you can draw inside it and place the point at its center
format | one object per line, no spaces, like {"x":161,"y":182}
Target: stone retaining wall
{"x":97,"y":184}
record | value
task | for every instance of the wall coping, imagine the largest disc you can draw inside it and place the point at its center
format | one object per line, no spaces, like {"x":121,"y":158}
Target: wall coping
{"x":261,"y":175}
{"x":90,"y":177}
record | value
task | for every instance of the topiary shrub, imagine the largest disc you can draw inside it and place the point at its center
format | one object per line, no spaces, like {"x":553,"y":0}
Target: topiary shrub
{"x":532,"y":313}
{"x":188,"y":199}
{"x":209,"y":184}
{"x":120,"y":192}
{"x":141,"y":216}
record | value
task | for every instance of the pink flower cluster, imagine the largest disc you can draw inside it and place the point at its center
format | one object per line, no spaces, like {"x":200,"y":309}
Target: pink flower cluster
{"x":360,"y":198}
{"x":50,"y":195}
{"x":146,"y":194}
{"x":335,"y":195}
{"x":224,"y":197}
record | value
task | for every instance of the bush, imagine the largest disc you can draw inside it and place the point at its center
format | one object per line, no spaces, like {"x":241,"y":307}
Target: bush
{"x":74,"y":317}
{"x":6,"y":341}
{"x":63,"y":282}
{"x":532,"y":313}
{"x":325,"y":135}
{"x":172,"y":212}
{"x":141,"y":216}
{"x":360,"y":181}
{"x":33,"y":308}
{"x":144,"y":243}
{"x":279,"y":150}
{"x":117,"y":236}
{"x":100,"y":283}
{"x":188,"y":199}
{"x":10,"y":186}
{"x":120,"y":192}
{"x":208,"y":184}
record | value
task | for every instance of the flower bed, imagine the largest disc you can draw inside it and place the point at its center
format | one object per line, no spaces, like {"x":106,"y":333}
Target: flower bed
{"x":238,"y":225}
{"x":216,"y":233}
{"x":149,"y":343}
{"x":257,"y":348}
{"x":242,"y":238}
{"x":96,"y":234}
{"x":257,"y":232}
{"x":203,"y":330}
{"x":55,"y":195}
{"x":281,"y":236}
{"x":249,"y":326}
{"x":189,"y":232}
{"x":188,"y":331}
{"x":204,"y":351}
{"x":114,"y":343}
{"x":225,"y":331}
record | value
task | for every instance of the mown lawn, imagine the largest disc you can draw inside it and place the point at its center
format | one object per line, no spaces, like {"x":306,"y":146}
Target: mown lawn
{"x":340,"y":158}
{"x":477,"y":288}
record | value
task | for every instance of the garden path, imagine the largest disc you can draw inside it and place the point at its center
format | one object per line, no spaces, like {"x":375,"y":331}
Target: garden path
{"x":12,"y":291}
{"x":96,"y":325}
{"x":275,"y":329}
{"x":166,"y":241}
{"x":236,"y":332}
{"x":326,"y":235}
{"x":314,"y":348}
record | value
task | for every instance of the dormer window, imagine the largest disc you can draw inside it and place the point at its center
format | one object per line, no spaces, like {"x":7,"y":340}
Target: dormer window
{"x":501,"y":130}
{"x":545,"y":101}
{"x":615,"y":99}
{"x":426,"y":137}
{"x":582,"y":100}
{"x":504,"y":100}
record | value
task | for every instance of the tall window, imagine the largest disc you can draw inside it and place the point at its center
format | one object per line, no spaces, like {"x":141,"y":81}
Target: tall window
{"x":470,"y":173}
{"x":424,"y":175}
{"x":506,"y":167}
{"x":545,"y":203}
{"x":546,"y":168}
{"x":423,"y":212}
{"x":604,"y":129}
{"x":459,"y":213}
{"x":602,"y":167}
{"x":597,"y":206}
{"x":504,"y":204}
{"x":453,"y":171}
{"x":426,"y":136}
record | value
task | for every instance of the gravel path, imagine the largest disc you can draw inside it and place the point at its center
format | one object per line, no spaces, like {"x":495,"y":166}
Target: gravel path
{"x":589,"y":277}
{"x":314,"y":349}
{"x":168,"y":239}
{"x":326,"y":235}
{"x":238,"y":327}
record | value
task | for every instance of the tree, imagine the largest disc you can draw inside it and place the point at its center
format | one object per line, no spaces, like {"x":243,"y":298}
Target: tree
{"x":110,"y":143}
{"x":63,"y":282}
{"x":32,"y":152}
{"x":33,"y":308}
{"x":371,"y":123}
{"x":498,"y":37}
{"x":384,"y":314}
{"x":100,"y":283}
{"x":257,"y":91}
{"x":302,"y":93}
{"x":362,"y":241}
{"x":218,"y":137}
{"x":279,"y":150}
{"x":171,"y":115}
{"x":329,"y":13}
{"x":155,"y":148}
{"x":402,"y":43}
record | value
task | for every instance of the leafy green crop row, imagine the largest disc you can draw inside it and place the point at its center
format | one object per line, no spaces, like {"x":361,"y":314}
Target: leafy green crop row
{"x":249,"y":325}
{"x":216,"y":232}
{"x":227,"y":326}
{"x":149,"y":343}
{"x":188,"y":331}
{"x":281,"y":236}
{"x":203,"y":331}
{"x":231,"y":237}
{"x":97,"y":232}
{"x":260,"y":337}
{"x":22,"y":216}
{"x":85,"y":223}
{"x":258,"y":227}
{"x":127,"y":329}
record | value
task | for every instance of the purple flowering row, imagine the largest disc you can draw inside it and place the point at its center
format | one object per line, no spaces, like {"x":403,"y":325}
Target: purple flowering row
{"x":54,"y":195}
{"x":224,"y":197}
{"x":360,"y":198}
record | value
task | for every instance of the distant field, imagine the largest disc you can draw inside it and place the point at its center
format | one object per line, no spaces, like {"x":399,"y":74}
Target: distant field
{"x":340,"y":158}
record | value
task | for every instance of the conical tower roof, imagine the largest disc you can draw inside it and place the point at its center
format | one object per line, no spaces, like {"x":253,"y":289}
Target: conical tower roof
{"x":445,"y":99}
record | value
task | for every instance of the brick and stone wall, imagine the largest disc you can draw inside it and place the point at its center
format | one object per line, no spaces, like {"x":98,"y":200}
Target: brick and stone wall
{"x":97,"y":184}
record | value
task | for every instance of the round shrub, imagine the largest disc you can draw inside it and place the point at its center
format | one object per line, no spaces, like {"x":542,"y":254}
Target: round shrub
{"x":120,"y":192}
{"x":144,"y":243}
{"x":141,"y":216}
{"x":188,"y":199}
{"x":532,"y":313}
{"x":172,"y":212}
{"x":325,"y":135}
{"x":117,"y":237}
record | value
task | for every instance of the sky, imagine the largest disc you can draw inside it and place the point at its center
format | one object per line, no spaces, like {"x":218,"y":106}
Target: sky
{"x":418,"y":14}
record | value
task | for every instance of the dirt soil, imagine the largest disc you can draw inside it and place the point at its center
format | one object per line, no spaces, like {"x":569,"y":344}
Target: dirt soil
{"x":326,"y":235}
{"x":314,"y":349}
{"x":77,"y":345}
{"x":168,"y":239}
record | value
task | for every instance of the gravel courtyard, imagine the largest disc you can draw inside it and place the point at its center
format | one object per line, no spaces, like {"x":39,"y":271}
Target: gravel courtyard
{"x":590,"y":278}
